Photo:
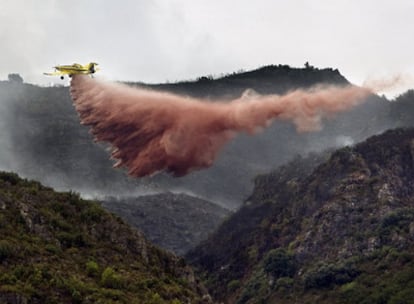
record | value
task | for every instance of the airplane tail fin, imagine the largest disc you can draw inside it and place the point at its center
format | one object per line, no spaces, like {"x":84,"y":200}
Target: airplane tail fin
{"x":52,"y":74}
{"x":92,"y":67}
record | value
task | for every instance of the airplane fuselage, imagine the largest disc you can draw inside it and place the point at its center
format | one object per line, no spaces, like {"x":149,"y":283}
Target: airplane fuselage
{"x":73,"y":69}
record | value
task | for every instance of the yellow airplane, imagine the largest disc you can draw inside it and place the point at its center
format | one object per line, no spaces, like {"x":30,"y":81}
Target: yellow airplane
{"x":76,"y":68}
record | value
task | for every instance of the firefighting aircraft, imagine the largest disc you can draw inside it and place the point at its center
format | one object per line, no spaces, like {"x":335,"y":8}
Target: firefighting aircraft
{"x":76,"y":68}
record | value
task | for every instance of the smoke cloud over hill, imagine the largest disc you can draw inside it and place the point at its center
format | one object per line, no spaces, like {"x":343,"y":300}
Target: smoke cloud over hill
{"x":152,"y":131}
{"x":390,"y":84}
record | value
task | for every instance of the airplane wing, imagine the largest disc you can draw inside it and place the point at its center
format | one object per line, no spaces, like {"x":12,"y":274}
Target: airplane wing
{"x":76,"y":67}
{"x":54,"y":74}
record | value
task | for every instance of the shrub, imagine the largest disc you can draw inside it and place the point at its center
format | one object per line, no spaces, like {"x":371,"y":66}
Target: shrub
{"x":3,"y":221}
{"x":405,"y":296}
{"x":92,"y":269}
{"x":8,"y":279}
{"x":6,"y":250}
{"x":155,"y":299}
{"x":68,"y":239}
{"x":76,"y":289}
{"x":400,"y":218}
{"x":256,"y":287}
{"x":12,"y":178}
{"x":326,"y":275}
{"x":279,"y":263}
{"x":92,"y":214}
{"x":284,"y":283}
{"x":52,"y":249}
{"x":110,"y":278}
{"x":233,"y":285}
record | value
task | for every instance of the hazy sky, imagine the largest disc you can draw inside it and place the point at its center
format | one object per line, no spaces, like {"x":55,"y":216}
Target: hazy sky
{"x":170,"y":40}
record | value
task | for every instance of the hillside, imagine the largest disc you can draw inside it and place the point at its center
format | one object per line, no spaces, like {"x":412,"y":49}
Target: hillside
{"x":58,"y":248}
{"x":43,"y":139}
{"x":340,"y":233}
{"x":176,"y":222}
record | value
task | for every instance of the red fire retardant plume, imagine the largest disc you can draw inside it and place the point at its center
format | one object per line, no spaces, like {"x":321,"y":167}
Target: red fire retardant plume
{"x":152,"y":131}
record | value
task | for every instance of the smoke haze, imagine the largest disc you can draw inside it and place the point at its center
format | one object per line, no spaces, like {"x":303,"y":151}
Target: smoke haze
{"x":153,"y":131}
{"x":389,"y":84}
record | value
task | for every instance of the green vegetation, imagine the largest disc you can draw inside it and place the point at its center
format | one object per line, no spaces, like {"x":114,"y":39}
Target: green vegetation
{"x":327,"y":275}
{"x":388,"y":279}
{"x":279,"y":263}
{"x":58,"y":248}
{"x":111,"y":279}
{"x":6,"y":250}
{"x":92,"y":269}
{"x":338,"y":232}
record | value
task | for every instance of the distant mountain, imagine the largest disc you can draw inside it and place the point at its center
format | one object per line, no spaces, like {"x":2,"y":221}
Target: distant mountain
{"x":58,"y":248}
{"x":402,"y":109}
{"x":176,"y":222}
{"x":272,"y":79}
{"x":42,"y":137}
{"x":340,"y":232}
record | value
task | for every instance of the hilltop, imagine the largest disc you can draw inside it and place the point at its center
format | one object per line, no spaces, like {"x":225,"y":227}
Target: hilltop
{"x":58,"y":248}
{"x":271,"y":79}
{"x":334,"y":228}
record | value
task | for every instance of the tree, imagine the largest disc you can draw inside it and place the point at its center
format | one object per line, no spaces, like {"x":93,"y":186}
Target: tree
{"x":15,"y":78}
{"x":308,"y":66}
{"x":280,"y":263}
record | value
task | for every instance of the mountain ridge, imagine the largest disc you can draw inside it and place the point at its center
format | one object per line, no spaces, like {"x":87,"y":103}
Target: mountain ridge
{"x":269,"y":79}
{"x":326,"y":235}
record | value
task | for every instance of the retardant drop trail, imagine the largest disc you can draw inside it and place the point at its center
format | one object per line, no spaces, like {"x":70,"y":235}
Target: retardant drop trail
{"x":152,"y":131}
